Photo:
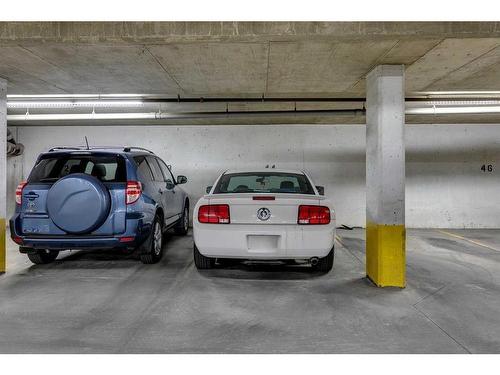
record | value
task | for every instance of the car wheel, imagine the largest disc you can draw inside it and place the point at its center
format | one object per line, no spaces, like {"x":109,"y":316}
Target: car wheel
{"x":325,"y":264}
{"x":182,"y":226}
{"x":202,"y":262}
{"x":153,"y":250}
{"x":43,"y":256}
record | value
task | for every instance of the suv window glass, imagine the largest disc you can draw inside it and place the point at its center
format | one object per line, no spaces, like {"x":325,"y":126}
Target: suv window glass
{"x":53,"y":167}
{"x":143,"y":171}
{"x":169,"y":177}
{"x":155,"y":168}
{"x":265,"y":182}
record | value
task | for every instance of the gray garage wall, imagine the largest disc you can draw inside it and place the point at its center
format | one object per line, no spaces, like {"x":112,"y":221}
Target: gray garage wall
{"x":445,"y":186}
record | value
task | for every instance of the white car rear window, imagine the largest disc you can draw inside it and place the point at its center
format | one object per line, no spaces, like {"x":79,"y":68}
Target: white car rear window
{"x":264,"y":182}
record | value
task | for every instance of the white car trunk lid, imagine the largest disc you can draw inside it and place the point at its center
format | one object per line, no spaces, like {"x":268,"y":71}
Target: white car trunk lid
{"x":249,"y":209}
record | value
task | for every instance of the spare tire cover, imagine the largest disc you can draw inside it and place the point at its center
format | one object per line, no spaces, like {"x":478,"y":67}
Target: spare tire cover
{"x":78,"y":203}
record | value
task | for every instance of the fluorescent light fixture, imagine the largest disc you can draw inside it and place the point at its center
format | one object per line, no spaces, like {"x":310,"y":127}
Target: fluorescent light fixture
{"x":451,"y":103}
{"x":75,"y":96}
{"x":82,"y":116}
{"x":74,"y":104}
{"x":29,"y":104}
{"x":453,"y":110}
{"x":451,"y":93}
{"x":50,"y":96}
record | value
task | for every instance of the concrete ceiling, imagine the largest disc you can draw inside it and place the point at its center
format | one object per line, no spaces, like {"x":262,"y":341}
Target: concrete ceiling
{"x":245,"y":59}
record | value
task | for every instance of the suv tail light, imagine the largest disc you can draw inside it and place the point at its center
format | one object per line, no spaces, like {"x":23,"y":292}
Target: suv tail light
{"x":19,"y":192}
{"x":133,"y":191}
{"x":214,"y":214}
{"x":313,"y":215}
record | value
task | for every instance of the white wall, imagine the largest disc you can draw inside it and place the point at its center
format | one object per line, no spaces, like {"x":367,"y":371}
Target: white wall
{"x":444,"y":187}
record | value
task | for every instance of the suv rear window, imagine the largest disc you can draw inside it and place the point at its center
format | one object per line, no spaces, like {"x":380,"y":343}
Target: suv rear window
{"x":264,"y":183}
{"x":106,"y":168}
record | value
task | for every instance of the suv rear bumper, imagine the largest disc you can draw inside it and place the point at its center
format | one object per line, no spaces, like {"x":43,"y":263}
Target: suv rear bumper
{"x":104,"y":243}
{"x":131,"y":239}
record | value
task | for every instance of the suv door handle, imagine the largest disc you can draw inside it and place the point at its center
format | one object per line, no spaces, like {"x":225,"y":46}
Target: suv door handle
{"x":160,"y":191}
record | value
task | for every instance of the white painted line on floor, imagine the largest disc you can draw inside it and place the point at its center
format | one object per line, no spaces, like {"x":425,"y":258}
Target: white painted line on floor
{"x":467,"y":239}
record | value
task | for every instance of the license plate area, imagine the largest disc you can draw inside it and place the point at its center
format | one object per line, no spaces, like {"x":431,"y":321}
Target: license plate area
{"x":263,"y":243}
{"x":36,"y":226}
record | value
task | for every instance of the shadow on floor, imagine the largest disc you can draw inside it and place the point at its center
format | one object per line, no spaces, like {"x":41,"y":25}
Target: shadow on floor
{"x":100,"y":259}
{"x":262,"y":271}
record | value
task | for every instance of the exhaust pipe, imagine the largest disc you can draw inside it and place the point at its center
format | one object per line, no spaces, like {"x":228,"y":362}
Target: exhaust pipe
{"x":314,"y":261}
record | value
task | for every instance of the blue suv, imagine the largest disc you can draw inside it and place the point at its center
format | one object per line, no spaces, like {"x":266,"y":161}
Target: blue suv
{"x":98,"y":198}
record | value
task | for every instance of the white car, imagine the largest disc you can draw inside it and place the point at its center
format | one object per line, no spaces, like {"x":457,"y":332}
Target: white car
{"x":266,"y":214}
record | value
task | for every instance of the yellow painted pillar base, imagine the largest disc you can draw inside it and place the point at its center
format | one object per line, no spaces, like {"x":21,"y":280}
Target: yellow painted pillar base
{"x":3,"y":246}
{"x":385,"y":254}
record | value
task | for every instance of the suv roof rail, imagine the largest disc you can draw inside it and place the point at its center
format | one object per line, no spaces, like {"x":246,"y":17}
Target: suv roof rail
{"x":85,"y":148}
{"x":131,"y":148}
{"x":67,"y":148}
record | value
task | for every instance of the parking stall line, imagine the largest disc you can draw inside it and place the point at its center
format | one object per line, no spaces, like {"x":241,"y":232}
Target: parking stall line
{"x":467,"y":240}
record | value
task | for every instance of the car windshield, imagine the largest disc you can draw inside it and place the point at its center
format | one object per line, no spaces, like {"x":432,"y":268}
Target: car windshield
{"x":106,"y":168}
{"x":264,"y":182}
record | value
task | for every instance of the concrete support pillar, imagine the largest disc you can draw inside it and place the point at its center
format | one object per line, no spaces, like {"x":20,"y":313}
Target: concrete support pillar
{"x":3,"y":172}
{"x":385,"y":176}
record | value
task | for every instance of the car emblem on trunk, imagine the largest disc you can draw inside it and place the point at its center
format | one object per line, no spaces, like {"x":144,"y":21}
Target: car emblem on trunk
{"x":263,"y":214}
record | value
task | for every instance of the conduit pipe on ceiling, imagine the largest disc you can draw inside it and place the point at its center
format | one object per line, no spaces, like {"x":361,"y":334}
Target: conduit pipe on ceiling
{"x":178,"y":115}
{"x":422,"y":106}
{"x":434,"y":110}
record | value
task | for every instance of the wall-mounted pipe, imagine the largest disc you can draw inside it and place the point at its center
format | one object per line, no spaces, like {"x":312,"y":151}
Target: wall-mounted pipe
{"x":13,"y":148}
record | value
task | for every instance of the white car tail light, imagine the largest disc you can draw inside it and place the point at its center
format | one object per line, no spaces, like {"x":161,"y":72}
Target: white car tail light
{"x":19,"y":192}
{"x":214,"y":214}
{"x":133,"y":191}
{"x":313,"y":215}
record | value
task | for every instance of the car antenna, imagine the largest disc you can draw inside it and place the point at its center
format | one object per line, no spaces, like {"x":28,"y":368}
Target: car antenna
{"x":87,"y":143}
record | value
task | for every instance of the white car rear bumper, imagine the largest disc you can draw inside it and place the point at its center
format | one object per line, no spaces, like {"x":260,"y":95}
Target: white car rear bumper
{"x":264,"y":241}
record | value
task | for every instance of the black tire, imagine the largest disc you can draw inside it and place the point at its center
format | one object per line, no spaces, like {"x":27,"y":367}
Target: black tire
{"x":152,"y":249}
{"x":182,"y":227}
{"x":202,"y":262}
{"x":325,"y":264}
{"x":43,"y":256}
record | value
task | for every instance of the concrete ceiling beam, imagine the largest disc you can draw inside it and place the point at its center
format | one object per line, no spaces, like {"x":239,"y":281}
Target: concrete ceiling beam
{"x":169,"y":32}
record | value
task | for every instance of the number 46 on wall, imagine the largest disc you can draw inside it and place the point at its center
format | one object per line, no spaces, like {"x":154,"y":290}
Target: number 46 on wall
{"x":487,"y":168}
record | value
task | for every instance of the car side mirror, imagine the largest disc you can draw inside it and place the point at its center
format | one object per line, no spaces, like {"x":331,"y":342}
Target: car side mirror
{"x":321,"y":190}
{"x":208,"y":189}
{"x":181,"y":180}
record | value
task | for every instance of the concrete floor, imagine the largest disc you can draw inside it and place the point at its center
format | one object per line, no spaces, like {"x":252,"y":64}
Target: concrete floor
{"x":110,"y":303}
